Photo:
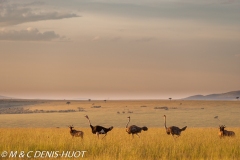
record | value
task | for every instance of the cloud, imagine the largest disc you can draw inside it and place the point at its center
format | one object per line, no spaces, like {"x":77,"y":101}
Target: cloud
{"x":116,"y":39}
{"x":237,"y":55}
{"x":145,"y":39}
{"x":29,"y":34}
{"x":14,"y":13}
{"x":96,"y":38}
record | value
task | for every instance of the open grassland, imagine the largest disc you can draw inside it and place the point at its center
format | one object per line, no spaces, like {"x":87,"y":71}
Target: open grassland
{"x":49,"y":132}
{"x":194,"y":143}
{"x":114,"y":113}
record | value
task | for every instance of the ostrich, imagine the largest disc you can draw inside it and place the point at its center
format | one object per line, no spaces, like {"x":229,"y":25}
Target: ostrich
{"x":224,"y":132}
{"x":75,"y":133}
{"x":173,"y":130}
{"x":99,"y":129}
{"x":133,"y":129}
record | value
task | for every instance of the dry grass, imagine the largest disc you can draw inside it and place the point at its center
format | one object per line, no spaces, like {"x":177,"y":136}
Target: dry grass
{"x":39,"y":132}
{"x":194,"y":143}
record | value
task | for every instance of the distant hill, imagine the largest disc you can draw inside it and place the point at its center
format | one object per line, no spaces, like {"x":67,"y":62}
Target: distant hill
{"x":222,"y":96}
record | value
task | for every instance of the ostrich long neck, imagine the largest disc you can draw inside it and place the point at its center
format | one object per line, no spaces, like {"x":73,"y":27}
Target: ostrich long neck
{"x":127,"y":122}
{"x":165,"y":122}
{"x":89,"y":121}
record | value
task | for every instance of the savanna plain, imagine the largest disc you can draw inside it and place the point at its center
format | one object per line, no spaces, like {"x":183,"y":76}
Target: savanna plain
{"x":42,"y":125}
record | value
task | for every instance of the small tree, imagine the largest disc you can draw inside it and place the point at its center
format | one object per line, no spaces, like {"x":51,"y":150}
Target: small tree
{"x":170,"y":99}
{"x":237,"y":98}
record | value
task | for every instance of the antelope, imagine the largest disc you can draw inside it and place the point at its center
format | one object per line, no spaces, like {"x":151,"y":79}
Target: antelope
{"x":224,"y":132}
{"x":75,"y":133}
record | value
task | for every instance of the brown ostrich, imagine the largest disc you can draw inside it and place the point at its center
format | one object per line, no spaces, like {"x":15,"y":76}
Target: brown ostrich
{"x":99,"y":129}
{"x":133,"y":129}
{"x":173,"y":130}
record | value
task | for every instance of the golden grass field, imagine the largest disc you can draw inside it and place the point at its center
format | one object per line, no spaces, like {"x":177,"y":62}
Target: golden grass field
{"x":194,"y":143}
{"x":49,"y":131}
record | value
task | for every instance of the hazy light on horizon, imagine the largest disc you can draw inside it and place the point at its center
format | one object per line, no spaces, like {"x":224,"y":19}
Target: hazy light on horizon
{"x":118,"y":49}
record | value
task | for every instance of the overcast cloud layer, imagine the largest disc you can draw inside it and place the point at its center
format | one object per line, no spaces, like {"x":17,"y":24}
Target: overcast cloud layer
{"x":30,"y":34}
{"x":14,"y":13}
{"x":114,"y":49}
{"x":17,"y":13}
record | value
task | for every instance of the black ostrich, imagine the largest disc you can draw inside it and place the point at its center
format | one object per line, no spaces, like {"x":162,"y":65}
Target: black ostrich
{"x":133,"y":129}
{"x":99,"y":129}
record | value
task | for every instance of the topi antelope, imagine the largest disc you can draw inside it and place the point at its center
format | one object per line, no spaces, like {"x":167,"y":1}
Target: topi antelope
{"x":75,"y":133}
{"x":224,"y":132}
{"x":99,"y":129}
{"x":173,"y":130}
{"x":133,"y":129}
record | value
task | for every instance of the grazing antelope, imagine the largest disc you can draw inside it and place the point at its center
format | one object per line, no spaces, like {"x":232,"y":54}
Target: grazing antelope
{"x":224,"y":132}
{"x":173,"y":130}
{"x":99,"y":129}
{"x":75,"y":133}
{"x":133,"y":129}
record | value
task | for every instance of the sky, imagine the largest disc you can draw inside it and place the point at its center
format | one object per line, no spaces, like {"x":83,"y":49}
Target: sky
{"x":118,"y":49}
